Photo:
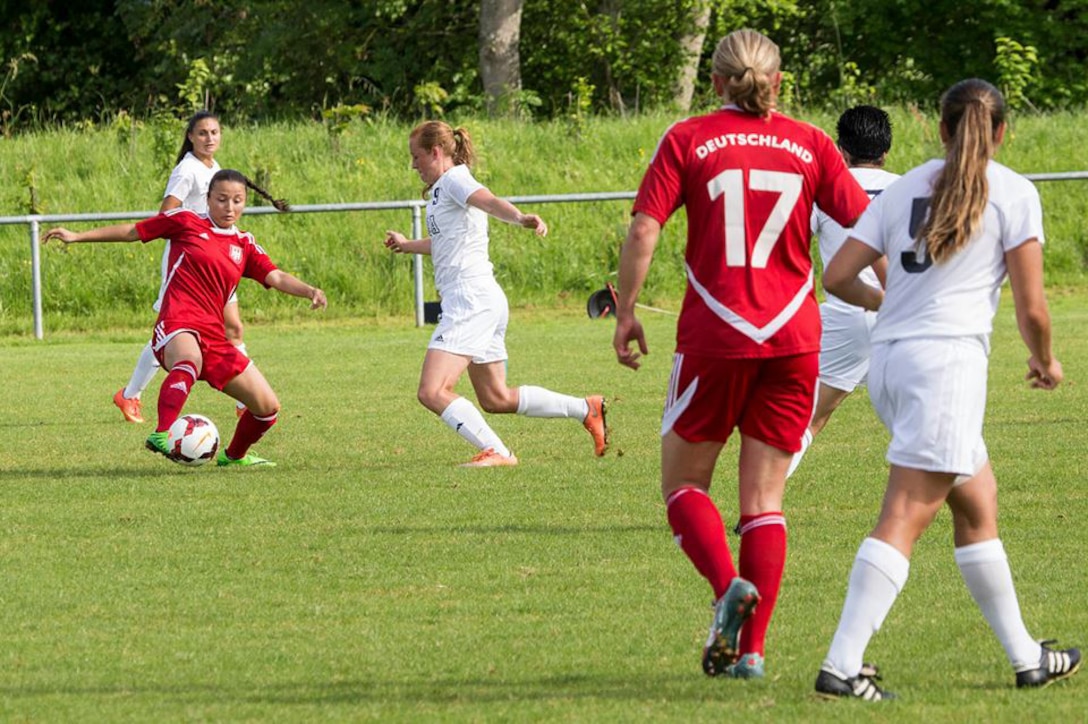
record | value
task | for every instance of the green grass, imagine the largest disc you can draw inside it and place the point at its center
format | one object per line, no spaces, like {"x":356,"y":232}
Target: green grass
{"x":86,"y":288}
{"x":367,"y":577}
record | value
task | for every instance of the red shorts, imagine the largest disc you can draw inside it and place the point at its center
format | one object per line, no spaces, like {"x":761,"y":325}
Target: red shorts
{"x":769,"y":399}
{"x":222,"y":360}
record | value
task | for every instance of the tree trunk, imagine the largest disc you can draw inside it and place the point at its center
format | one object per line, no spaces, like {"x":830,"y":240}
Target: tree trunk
{"x":500,"y":61}
{"x":691,"y":45}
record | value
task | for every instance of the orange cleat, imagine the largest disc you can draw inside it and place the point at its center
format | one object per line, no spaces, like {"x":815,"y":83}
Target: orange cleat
{"x":130,"y":407}
{"x":595,"y":424}
{"x":490,"y":459}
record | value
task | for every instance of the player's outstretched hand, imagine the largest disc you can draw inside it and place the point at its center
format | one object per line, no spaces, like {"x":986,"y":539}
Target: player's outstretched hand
{"x":629,"y":329}
{"x":1044,"y":377}
{"x":534,"y":222}
{"x":318,"y":300}
{"x":60,"y":233}
{"x":395,"y":240}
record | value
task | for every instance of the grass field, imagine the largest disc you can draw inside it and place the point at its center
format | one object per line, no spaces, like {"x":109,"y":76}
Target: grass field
{"x":367,"y":577}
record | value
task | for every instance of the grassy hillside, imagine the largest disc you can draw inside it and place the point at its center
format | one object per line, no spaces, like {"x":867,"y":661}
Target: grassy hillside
{"x":123,"y":168}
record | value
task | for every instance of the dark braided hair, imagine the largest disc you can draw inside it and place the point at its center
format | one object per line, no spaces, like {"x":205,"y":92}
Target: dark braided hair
{"x":186,"y":144}
{"x":229,"y":174}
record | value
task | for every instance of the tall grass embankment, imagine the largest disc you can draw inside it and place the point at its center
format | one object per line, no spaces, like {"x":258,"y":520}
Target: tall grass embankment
{"x":124,"y":168}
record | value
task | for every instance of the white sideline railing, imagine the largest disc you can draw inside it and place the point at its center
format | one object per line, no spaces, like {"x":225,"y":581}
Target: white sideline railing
{"x":34,"y":221}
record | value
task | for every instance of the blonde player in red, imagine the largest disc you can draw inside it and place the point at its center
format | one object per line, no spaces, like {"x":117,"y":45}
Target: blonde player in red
{"x":209,"y":256}
{"x":748,"y":337}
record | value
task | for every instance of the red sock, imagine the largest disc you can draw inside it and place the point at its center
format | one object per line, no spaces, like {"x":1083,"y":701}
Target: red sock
{"x":250,"y":429}
{"x":697,"y":526}
{"x":174,"y":392}
{"x":762,"y":559}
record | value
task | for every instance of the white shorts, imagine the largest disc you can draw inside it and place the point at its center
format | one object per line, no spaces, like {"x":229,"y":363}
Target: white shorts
{"x":475,"y":314}
{"x":845,"y":345}
{"x":931,"y":395}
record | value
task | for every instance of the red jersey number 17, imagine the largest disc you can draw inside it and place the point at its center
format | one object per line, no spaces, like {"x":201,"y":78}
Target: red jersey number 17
{"x":730,"y":184}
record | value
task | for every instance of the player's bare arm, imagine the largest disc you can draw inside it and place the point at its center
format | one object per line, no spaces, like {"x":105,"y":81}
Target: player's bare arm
{"x":399,"y":244}
{"x":503,"y":210}
{"x":117,"y":232}
{"x":841,"y":275}
{"x":290,"y":284}
{"x":635,"y":258}
{"x":1025,"y":265}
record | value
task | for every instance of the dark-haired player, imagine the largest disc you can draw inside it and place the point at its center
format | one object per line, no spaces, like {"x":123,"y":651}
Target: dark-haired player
{"x":864,"y":138}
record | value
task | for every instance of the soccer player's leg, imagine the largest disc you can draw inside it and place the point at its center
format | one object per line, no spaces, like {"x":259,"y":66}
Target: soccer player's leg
{"x":262,"y":409}
{"x":232,"y":325}
{"x":182,"y":355}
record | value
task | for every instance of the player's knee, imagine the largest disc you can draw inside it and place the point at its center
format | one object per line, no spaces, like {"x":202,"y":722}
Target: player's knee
{"x":234,"y":331}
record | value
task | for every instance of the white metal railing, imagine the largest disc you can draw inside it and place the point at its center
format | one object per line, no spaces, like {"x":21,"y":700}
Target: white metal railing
{"x":34,"y":221}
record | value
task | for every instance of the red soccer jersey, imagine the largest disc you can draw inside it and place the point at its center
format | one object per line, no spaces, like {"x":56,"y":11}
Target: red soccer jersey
{"x":748,"y":185}
{"x":205,"y":265}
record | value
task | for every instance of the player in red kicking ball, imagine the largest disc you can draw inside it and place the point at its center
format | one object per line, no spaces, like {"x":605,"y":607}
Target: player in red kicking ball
{"x":209,"y":256}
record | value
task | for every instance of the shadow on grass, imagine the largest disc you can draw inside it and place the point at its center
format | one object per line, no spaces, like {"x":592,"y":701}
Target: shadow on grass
{"x":515,"y":528}
{"x":111,"y":473}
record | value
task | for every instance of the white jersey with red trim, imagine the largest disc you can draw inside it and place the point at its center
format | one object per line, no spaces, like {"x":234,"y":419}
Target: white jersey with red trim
{"x":748,"y":184}
{"x":206,"y":264}
{"x":958,"y":297}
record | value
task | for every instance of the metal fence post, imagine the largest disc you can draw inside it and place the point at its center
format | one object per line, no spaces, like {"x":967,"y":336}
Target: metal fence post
{"x":36,"y":278}
{"x":417,"y":263}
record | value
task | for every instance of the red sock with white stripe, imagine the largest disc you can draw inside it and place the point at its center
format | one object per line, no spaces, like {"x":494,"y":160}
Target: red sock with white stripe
{"x":174,"y":392}
{"x":698,"y":529}
{"x":250,"y":429}
{"x":762,"y":560}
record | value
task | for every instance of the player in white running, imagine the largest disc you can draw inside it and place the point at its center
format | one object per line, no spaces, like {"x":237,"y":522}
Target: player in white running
{"x":187,"y":188}
{"x":951,"y":230}
{"x":864,"y":138}
{"x":472,"y":332}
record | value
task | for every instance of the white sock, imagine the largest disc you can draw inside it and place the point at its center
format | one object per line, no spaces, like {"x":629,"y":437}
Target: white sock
{"x":539,"y":402}
{"x":241,"y":347}
{"x":985,"y":569}
{"x":146,"y":367}
{"x":879,"y":574}
{"x":806,"y":440}
{"x":467,"y":422}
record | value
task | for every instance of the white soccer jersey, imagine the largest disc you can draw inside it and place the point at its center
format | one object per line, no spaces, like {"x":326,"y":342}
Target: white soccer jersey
{"x":189,"y":182}
{"x":832,"y":235}
{"x":959,"y":296}
{"x":458,"y":231}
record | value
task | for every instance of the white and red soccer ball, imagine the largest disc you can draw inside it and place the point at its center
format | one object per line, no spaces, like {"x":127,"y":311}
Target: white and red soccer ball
{"x":192,"y":440}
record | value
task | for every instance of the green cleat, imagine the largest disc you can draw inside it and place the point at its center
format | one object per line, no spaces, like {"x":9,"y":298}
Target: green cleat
{"x":730,"y":612}
{"x":249,"y":459}
{"x":748,"y":666}
{"x":157,"y":442}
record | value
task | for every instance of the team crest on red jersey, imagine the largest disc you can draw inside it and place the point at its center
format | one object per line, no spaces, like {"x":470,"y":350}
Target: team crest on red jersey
{"x":236,"y":254}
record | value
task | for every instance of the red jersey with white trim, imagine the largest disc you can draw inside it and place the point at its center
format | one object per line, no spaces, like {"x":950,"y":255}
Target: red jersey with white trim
{"x":748,"y":184}
{"x":205,"y":265}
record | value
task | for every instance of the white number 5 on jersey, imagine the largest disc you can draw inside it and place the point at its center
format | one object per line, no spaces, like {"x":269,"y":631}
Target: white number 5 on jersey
{"x":730,"y":184}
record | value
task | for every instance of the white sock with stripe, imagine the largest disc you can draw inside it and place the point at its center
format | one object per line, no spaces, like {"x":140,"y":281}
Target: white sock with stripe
{"x":466,"y":421}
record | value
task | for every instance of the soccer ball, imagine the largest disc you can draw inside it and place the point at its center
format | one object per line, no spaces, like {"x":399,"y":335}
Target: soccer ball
{"x":192,"y":440}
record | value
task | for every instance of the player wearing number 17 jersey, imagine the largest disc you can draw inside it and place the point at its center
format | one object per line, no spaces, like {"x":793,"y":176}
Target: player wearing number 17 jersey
{"x":748,"y":337}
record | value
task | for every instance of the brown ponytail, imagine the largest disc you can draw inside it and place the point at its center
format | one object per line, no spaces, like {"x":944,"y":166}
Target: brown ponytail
{"x":229,"y":174}
{"x":454,"y":142}
{"x":971,"y":113}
